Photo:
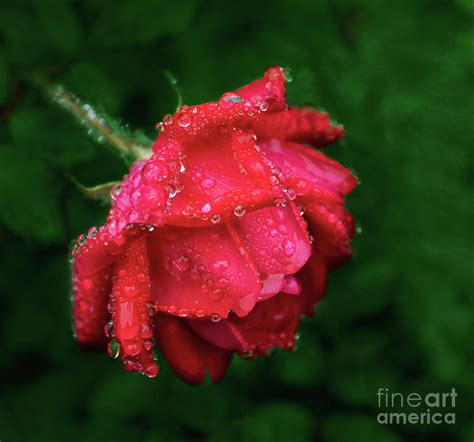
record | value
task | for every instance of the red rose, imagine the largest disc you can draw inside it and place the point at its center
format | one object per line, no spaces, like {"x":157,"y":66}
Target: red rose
{"x":220,"y":241}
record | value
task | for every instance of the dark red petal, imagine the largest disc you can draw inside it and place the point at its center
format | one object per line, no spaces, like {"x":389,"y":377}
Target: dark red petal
{"x":301,"y":125}
{"x":202,"y":272}
{"x":276,"y":238}
{"x":89,"y":308}
{"x":332,"y":228}
{"x":313,"y":280}
{"x":272,"y":323}
{"x":130,"y":305}
{"x":190,"y":356}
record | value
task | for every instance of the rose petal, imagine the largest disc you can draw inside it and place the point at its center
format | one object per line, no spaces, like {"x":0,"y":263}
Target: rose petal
{"x":276,"y":239}
{"x":313,"y":281}
{"x":332,"y":228}
{"x":234,"y":109}
{"x":89,"y":308}
{"x":201,"y":272}
{"x":272,"y":323}
{"x":139,"y":201}
{"x":307,"y":170}
{"x":190,"y":356}
{"x":222,"y":174}
{"x":301,"y":125}
{"x":130,"y":307}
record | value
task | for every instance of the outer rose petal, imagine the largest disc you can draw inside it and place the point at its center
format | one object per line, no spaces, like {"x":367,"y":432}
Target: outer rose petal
{"x":271,"y":87}
{"x":301,"y":125}
{"x":202,"y":272}
{"x":271,"y":323}
{"x":190,"y":356}
{"x":313,"y":279}
{"x":306,"y":170}
{"x":235,"y":109}
{"x":89,"y":309}
{"x":332,"y":227}
{"x":130,"y":302}
{"x":141,"y":199}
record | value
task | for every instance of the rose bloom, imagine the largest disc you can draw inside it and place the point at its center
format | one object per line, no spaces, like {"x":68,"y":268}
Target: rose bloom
{"x":220,"y":241}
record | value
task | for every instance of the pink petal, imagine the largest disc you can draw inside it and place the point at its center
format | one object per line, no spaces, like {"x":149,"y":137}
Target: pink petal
{"x":307,"y":170}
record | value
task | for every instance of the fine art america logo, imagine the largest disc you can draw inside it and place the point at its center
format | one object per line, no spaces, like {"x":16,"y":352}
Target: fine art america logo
{"x":414,"y":408}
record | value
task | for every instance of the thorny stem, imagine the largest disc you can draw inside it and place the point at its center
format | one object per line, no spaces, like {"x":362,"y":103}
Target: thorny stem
{"x":91,"y":119}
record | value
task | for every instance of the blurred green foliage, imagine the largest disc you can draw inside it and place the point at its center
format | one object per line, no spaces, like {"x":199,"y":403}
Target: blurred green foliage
{"x":398,"y":74}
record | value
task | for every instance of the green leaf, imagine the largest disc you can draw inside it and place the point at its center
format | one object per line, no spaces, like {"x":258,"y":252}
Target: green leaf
{"x":59,"y":24}
{"x":5,"y":80}
{"x":124,"y":23}
{"x":89,"y":82}
{"x":24,"y":41}
{"x":347,"y":428}
{"x":100,"y":192}
{"x":30,"y":197}
{"x":67,"y":146}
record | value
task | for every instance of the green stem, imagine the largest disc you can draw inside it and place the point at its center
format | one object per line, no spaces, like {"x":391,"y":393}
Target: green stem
{"x":91,"y":119}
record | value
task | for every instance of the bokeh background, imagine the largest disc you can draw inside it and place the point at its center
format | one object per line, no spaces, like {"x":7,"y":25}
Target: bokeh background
{"x":397,"y":74}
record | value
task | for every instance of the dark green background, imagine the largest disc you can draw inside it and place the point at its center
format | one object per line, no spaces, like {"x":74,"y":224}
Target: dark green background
{"x":398,"y":75}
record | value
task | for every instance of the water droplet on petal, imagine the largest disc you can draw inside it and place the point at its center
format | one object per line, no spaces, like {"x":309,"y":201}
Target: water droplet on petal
{"x":113,"y":349}
{"x":288,"y":75}
{"x":184,"y":120}
{"x":215,"y":317}
{"x":208,"y":183}
{"x":239,"y":211}
{"x":231,"y":97}
{"x":291,"y":194}
{"x":182,"y":263}
{"x":206,"y":208}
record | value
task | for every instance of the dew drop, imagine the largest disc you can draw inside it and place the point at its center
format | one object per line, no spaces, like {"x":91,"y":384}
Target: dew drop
{"x":113,"y":349}
{"x":289,"y":247}
{"x":215,"y":317}
{"x":184,"y":120}
{"x":208,"y":183}
{"x":154,"y":172}
{"x":230,"y":97}
{"x":288,"y":75}
{"x":182,"y":263}
{"x":291,"y":194}
{"x":239,"y":211}
{"x":206,"y":208}
{"x":215,"y":219}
